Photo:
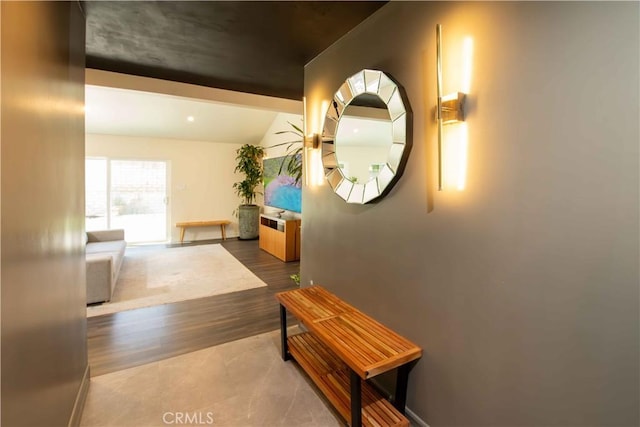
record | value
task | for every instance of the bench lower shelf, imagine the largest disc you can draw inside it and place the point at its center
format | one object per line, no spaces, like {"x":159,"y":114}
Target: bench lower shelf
{"x":331,"y":375}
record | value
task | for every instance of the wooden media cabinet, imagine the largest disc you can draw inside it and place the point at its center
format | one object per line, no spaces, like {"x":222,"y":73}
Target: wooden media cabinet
{"x":341,"y":350}
{"x":280,"y":237}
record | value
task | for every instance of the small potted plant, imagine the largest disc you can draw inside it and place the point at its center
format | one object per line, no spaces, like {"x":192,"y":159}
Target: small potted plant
{"x":295,"y":278}
{"x":249,"y":163}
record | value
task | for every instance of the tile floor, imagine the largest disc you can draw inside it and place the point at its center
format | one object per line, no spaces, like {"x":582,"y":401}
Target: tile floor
{"x":237,"y":384}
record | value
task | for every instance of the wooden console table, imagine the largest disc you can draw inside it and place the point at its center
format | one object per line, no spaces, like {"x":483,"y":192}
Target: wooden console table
{"x":280,"y":237}
{"x":188,"y":224}
{"x":343,"y":347}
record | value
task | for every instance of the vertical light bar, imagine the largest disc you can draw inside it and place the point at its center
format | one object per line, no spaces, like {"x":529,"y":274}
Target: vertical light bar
{"x":461,"y":167}
{"x":452,"y":146}
{"x":305,"y":148}
{"x":304,"y":115}
{"x":454,"y":156}
{"x":313,"y":169}
{"x":316,"y":168}
{"x":309,"y":169}
{"x":467,"y":51}
{"x":439,"y":105}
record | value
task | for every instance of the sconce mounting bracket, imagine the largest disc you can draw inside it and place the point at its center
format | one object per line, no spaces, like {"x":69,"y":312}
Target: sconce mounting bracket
{"x":312,"y":141}
{"x":453,"y":108}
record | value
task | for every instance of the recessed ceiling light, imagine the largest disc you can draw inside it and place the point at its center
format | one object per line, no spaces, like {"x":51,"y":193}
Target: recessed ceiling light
{"x":355,"y":130}
{"x":190,"y":119}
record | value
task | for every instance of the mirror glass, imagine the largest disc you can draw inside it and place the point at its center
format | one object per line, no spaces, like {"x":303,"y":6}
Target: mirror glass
{"x":365,"y":142}
{"x":363,"y":138}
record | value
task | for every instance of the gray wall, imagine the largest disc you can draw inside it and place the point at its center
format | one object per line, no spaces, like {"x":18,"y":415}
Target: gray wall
{"x":523,"y":288}
{"x":43,"y":342}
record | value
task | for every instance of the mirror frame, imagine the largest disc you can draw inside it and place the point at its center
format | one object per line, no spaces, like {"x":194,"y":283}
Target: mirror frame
{"x":394,"y":97}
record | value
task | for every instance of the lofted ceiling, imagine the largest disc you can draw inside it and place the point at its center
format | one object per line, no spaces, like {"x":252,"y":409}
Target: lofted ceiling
{"x":124,"y":112}
{"x":258,"y":47}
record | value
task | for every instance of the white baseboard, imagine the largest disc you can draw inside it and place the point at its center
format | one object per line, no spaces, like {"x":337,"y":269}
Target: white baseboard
{"x":81,"y":397}
{"x":414,"y":419}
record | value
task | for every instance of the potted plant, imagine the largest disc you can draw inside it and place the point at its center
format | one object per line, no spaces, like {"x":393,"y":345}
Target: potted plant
{"x":249,"y":163}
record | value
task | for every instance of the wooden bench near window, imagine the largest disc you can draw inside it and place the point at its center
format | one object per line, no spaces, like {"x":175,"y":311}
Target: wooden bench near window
{"x":188,"y":224}
{"x":343,"y":347}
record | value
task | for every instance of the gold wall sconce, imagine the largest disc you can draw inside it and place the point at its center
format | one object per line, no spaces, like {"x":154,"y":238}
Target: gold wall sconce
{"x":312,"y":148}
{"x":450,"y":110}
{"x":312,"y":141}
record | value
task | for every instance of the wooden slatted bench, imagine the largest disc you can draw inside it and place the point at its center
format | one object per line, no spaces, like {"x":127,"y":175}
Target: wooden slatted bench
{"x":343,"y":347}
{"x":188,"y":224}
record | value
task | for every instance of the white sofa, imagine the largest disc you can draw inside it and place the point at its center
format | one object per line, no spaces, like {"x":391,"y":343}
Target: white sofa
{"x":104,"y":255}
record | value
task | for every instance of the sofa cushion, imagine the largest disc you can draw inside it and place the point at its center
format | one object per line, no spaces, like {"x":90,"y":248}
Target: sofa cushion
{"x":103,"y":261}
{"x":99,"y":276}
{"x":105,"y":235}
{"x":110,"y":246}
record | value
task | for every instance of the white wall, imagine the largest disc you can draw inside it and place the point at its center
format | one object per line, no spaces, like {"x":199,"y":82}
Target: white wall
{"x":280,"y":123}
{"x":201,"y":177}
{"x":358,"y":158}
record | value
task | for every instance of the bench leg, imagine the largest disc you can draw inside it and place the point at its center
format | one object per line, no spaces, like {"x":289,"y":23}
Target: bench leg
{"x":356,"y":399}
{"x":224,"y":237}
{"x":283,"y":333}
{"x":182,"y":233}
{"x":402,"y":380}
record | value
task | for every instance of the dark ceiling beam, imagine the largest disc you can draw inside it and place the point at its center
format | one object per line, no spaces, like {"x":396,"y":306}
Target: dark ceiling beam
{"x":249,"y":46}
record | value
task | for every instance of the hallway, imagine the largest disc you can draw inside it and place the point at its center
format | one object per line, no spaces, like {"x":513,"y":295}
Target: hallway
{"x":236,"y":384}
{"x":211,"y":361}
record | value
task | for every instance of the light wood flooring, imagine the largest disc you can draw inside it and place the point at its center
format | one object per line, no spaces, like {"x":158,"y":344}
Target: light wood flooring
{"x":135,"y":337}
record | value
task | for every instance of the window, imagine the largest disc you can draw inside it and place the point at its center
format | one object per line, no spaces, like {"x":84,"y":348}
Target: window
{"x":129,"y":194}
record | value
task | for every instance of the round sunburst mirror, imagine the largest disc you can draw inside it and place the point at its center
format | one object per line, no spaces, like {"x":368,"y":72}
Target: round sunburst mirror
{"x":366,"y":137}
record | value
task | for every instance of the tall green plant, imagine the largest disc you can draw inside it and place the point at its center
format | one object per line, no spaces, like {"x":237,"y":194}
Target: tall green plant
{"x":249,"y":163}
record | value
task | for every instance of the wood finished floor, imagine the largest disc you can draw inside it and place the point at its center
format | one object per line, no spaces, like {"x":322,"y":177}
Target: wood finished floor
{"x":135,"y":337}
